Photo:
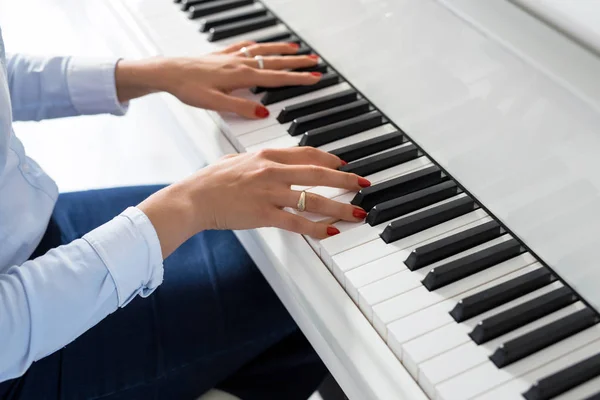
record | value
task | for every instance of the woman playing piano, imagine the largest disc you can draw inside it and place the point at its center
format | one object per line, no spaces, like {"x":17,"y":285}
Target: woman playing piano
{"x":144,"y":292}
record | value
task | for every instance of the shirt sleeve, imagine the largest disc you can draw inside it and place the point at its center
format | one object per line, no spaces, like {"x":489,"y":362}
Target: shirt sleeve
{"x":54,"y":87}
{"x":48,"y":302}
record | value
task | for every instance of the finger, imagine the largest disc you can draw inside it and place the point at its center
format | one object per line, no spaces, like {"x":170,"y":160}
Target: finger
{"x":270,"y":78}
{"x":303,"y":156}
{"x":289,"y":62}
{"x":236,"y":47}
{"x":246,"y":108}
{"x":321,"y":205}
{"x":266,"y":49}
{"x":312,"y":175}
{"x":295,"y":223}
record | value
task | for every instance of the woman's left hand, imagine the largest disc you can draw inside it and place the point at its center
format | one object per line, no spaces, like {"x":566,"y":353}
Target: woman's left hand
{"x":207,"y":82}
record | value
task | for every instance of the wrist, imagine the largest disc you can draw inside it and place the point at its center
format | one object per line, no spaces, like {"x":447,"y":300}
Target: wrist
{"x":172,"y":214}
{"x":137,"y":78}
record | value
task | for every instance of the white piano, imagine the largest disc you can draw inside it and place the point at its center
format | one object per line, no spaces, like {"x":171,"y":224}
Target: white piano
{"x":476,"y":273}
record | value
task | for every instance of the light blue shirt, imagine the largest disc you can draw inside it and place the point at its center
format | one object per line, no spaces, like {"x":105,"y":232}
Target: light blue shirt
{"x":48,"y":302}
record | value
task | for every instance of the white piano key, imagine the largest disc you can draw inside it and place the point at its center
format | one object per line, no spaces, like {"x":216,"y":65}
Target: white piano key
{"x":359,"y":272}
{"x":256,"y":35}
{"x":486,"y":375}
{"x":235,"y":11}
{"x":263,"y":135}
{"x":271,"y":132}
{"x":378,"y":177}
{"x":519,"y":385}
{"x":405,"y":280}
{"x":430,"y":318}
{"x":376,"y":249}
{"x":359,"y":137}
{"x":400,"y":306}
{"x":153,"y":9}
{"x":343,"y":226}
{"x":362,"y":234}
{"x":196,"y":23}
{"x":453,"y":334}
{"x":469,"y":355}
{"x":239,"y":126}
{"x":281,"y":142}
{"x":583,"y":391}
{"x":314,"y":243}
{"x":455,"y":348}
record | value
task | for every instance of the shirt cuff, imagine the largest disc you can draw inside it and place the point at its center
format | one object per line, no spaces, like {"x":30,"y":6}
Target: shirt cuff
{"x":92,"y":86}
{"x":130,"y":249}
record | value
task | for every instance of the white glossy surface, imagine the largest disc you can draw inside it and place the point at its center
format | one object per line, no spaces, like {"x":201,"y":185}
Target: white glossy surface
{"x":512,"y":118}
{"x":579,"y":19}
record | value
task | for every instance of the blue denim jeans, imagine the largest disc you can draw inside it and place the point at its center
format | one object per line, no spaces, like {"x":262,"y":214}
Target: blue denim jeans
{"x":214,"y":322}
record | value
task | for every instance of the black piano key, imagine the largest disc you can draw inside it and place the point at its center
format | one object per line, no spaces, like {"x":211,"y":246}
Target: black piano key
{"x":328,"y":117}
{"x":593,"y":397}
{"x":381,"y":161}
{"x":213,"y":7}
{"x":451,"y":245}
{"x":536,"y":340}
{"x":321,"y":67}
{"x":303,"y":51}
{"x":186,"y":4}
{"x":534,"y":309}
{"x":275,"y":95}
{"x":403,"y":205}
{"x":473,"y":263}
{"x":426,"y":219}
{"x":368,"y":198}
{"x":565,"y":379}
{"x":308,"y":107}
{"x":238,"y":28}
{"x":368,"y":147}
{"x":207,"y":23}
{"x":483,"y":301}
{"x":279,"y":37}
{"x":339,"y":130}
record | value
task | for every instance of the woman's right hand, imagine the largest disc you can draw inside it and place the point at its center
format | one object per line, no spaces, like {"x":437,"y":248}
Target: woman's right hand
{"x":250,"y":190}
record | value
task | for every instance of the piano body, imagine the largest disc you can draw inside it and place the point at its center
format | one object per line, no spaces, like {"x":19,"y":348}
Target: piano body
{"x":475,"y":276}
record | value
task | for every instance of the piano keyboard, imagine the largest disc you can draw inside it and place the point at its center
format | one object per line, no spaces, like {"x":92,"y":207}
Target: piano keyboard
{"x":465,"y":307}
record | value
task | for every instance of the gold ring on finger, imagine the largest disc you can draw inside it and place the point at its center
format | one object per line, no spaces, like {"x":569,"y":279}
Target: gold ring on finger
{"x":261,"y":62}
{"x":302,"y":202}
{"x":244,"y":50}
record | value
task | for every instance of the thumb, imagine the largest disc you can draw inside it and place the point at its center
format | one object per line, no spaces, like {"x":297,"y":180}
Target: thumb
{"x":246,"y":108}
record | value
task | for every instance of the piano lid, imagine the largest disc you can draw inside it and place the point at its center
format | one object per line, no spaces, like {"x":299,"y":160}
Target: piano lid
{"x":578,"y":19}
{"x":508,"y":105}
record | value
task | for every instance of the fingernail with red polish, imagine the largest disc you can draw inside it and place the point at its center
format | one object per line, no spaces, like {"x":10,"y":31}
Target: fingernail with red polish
{"x":364,"y":182}
{"x":359,"y":213}
{"x":343,"y":162}
{"x":261,"y":112}
{"x":317,"y":74}
{"x":314,"y":56}
{"x":332,"y":230}
{"x":294,"y":45}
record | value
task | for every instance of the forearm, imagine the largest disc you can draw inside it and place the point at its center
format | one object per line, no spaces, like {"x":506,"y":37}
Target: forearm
{"x":53,"y":87}
{"x":49,"y":301}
